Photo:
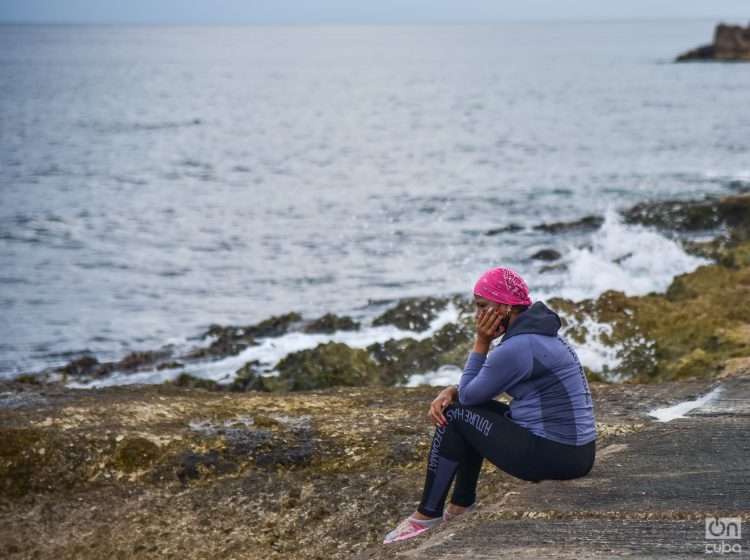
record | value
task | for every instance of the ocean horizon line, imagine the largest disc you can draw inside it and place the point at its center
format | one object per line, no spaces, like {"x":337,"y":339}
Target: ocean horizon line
{"x":354,"y":23}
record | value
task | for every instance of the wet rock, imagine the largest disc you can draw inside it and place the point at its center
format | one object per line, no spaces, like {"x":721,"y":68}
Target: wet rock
{"x":546,"y":255}
{"x":511,"y":228}
{"x":276,"y":325}
{"x":187,"y":380}
{"x":247,"y":378}
{"x":557,"y":267}
{"x":413,"y":314}
{"x":327,"y":365}
{"x":398,"y":359}
{"x":87,"y":366}
{"x":695,"y":215}
{"x":731,"y":43}
{"x":330,"y":323}
{"x":231,"y":340}
{"x":169,"y":365}
{"x":585,"y":224}
{"x":740,"y":186}
{"x":140,"y":360}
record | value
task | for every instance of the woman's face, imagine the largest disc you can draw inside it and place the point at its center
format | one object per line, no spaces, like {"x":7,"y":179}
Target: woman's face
{"x":481,"y":304}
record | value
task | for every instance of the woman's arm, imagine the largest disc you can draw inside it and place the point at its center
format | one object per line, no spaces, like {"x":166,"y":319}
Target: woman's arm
{"x":485,"y":376}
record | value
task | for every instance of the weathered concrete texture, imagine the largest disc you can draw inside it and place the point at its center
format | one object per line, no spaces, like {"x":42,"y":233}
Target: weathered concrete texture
{"x":733,"y":400}
{"x":574,"y":539}
{"x":646,"y":497}
{"x":687,"y":465}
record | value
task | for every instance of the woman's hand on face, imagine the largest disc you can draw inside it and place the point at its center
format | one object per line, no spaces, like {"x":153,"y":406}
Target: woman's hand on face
{"x":489,"y":323}
{"x":444,"y":398}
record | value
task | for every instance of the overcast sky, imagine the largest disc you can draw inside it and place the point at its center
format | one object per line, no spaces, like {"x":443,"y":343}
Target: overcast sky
{"x":361,"y":11}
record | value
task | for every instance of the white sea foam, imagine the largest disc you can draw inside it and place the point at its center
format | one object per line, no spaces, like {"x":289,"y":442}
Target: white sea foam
{"x":680,"y":410}
{"x":270,"y":351}
{"x":630,"y":258}
{"x":441,"y":377}
{"x":594,"y":353}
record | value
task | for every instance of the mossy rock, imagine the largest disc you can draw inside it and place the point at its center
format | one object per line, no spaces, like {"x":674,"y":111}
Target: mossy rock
{"x":28,"y":379}
{"x":135,"y":453}
{"x":327,"y":365}
{"x":139,"y":360}
{"x":248,"y":379}
{"x":86,"y":366}
{"x":330,"y":323}
{"x":231,"y":340}
{"x":412,"y":314}
{"x":401,"y":358}
{"x":693,"y":215}
{"x":192,"y":382}
{"x":691,"y":330}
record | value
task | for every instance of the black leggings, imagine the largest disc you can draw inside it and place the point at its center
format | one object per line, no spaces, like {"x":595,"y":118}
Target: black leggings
{"x":486,"y":431}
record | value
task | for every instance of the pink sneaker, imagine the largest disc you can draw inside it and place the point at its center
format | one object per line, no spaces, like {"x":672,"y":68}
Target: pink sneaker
{"x":448,"y":516}
{"x":409,"y":528}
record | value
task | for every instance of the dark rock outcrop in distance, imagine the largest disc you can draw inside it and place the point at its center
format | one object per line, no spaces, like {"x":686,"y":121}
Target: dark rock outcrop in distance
{"x":511,"y":228}
{"x":731,"y":43}
{"x":546,"y":255}
{"x":585,"y":224}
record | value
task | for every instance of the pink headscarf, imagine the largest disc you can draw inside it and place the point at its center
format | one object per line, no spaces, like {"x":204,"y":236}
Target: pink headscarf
{"x":502,"y":285}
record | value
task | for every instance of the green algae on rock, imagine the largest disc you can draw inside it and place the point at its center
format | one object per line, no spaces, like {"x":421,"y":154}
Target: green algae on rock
{"x":701,"y":322}
{"x":412,"y":314}
{"x":326,"y":365}
{"x":330,"y":323}
{"x":229,"y":340}
{"x":450,"y":345}
{"x":694,"y":215}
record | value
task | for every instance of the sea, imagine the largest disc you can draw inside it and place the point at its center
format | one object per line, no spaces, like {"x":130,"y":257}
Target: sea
{"x":157,"y":180}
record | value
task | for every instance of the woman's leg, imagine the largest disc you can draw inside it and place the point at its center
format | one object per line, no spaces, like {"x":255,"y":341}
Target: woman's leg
{"x":485,"y":431}
{"x":467,"y":475}
{"x":482,"y":430}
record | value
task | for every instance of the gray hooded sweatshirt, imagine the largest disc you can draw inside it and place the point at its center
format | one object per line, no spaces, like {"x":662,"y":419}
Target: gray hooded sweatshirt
{"x":541,"y":371}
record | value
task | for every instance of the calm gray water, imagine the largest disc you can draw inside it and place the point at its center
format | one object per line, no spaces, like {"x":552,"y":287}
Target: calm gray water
{"x":154,"y":180}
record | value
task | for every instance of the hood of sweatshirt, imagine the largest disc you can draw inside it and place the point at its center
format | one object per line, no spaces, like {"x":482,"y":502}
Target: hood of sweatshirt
{"x":537,"y":319}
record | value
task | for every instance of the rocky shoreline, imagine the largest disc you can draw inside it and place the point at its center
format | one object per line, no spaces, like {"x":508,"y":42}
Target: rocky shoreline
{"x":321,"y":460}
{"x":648,"y":337}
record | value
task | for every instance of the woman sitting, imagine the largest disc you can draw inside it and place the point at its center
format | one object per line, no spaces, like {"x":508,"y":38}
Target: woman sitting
{"x":547,"y":432}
